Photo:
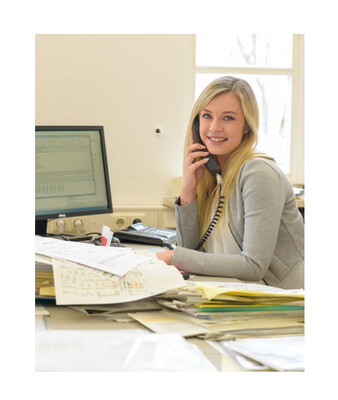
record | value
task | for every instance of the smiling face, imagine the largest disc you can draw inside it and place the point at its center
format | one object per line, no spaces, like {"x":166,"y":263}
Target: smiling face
{"x":222,"y":125}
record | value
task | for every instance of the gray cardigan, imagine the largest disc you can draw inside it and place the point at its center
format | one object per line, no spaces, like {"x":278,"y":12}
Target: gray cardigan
{"x":266,"y":224}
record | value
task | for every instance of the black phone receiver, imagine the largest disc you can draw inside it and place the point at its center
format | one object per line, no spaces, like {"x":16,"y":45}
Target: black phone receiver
{"x":215,"y":170}
{"x":212,"y":164}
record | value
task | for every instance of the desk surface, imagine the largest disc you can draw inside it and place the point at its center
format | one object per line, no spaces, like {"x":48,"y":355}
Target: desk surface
{"x":64,"y":318}
{"x":67,"y":319}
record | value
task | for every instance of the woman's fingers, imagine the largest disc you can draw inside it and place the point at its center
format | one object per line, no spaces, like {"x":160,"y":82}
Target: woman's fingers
{"x":195,"y":146}
{"x":198,"y":164}
{"x":191,"y":159}
{"x":195,"y":151}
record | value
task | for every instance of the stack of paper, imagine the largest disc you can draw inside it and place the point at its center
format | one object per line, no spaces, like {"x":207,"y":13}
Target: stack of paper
{"x":232,"y":310}
{"x":44,"y":280}
{"x":117,"y":312}
{"x":88,"y":274}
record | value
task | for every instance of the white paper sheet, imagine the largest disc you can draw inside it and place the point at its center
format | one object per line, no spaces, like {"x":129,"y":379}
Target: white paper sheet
{"x":76,"y":284}
{"x":127,"y":350}
{"x":243,"y":362}
{"x":115,"y":260}
{"x":282,"y":353}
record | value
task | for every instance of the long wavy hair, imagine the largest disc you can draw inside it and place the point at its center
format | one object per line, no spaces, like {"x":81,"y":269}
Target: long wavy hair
{"x":245,"y":151}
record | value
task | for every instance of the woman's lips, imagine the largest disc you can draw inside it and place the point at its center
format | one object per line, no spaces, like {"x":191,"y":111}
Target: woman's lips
{"x":217,"y":139}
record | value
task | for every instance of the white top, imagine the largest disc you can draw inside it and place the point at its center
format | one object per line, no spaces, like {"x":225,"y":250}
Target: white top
{"x":225,"y":244}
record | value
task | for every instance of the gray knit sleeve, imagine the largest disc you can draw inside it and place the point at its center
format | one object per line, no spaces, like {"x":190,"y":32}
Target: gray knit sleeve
{"x":187,"y":226}
{"x":260,"y":193}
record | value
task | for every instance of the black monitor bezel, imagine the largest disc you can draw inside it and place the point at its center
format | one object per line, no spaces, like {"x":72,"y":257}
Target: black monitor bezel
{"x":109,"y":209}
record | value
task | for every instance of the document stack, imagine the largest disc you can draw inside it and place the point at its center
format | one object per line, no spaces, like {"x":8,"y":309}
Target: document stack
{"x":81,"y":273}
{"x":233,"y":310}
{"x":44,"y":280}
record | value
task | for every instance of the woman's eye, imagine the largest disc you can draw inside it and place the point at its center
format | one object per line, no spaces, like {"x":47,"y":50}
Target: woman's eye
{"x":206,"y":116}
{"x":228,"y":118}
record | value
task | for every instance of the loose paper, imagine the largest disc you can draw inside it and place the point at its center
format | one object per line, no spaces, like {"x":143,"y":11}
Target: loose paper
{"x":125,"y":350}
{"x":117,"y":261}
{"x":106,"y":236}
{"x":282,"y":354}
{"x":214,"y":290}
{"x":76,"y":284}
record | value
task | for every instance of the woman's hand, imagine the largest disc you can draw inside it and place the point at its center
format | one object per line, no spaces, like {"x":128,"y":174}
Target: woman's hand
{"x":194,"y":170}
{"x":166,"y":256}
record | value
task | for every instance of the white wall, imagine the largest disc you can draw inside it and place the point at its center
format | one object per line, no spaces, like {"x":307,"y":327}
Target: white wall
{"x":130,"y":84}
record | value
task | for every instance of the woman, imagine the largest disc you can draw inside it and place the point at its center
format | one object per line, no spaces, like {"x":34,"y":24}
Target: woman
{"x":259,"y":234}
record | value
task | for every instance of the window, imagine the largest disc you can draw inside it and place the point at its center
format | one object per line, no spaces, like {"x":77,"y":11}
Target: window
{"x":273,"y":65}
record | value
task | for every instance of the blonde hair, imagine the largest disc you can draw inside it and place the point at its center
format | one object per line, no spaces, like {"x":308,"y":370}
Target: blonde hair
{"x":244,"y":152}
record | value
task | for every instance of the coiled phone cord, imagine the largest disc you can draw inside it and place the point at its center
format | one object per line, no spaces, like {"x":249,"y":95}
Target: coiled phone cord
{"x":215,"y":217}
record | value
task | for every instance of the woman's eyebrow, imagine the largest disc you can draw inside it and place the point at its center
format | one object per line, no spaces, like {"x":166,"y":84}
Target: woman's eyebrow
{"x":224,"y":112}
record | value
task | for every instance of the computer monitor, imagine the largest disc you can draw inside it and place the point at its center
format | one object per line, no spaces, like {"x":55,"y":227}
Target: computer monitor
{"x":71,"y":173}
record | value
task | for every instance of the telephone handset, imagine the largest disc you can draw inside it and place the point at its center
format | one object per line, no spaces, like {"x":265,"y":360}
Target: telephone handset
{"x":215,"y":170}
{"x":212,"y":164}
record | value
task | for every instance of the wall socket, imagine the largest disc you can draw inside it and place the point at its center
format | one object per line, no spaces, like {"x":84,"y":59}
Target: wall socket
{"x":120,"y":221}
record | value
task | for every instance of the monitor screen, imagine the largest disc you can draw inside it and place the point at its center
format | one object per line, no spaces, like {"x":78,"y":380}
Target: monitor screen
{"x":71,"y":173}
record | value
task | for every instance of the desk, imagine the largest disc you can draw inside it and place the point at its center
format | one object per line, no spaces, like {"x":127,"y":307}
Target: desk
{"x":66,"y":319}
{"x":63,"y":318}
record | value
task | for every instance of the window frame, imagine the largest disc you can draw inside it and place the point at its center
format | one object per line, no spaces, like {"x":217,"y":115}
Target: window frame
{"x":296,"y":173}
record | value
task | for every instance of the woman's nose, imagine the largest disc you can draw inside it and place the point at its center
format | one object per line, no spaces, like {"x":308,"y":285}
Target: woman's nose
{"x":215,"y":125}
